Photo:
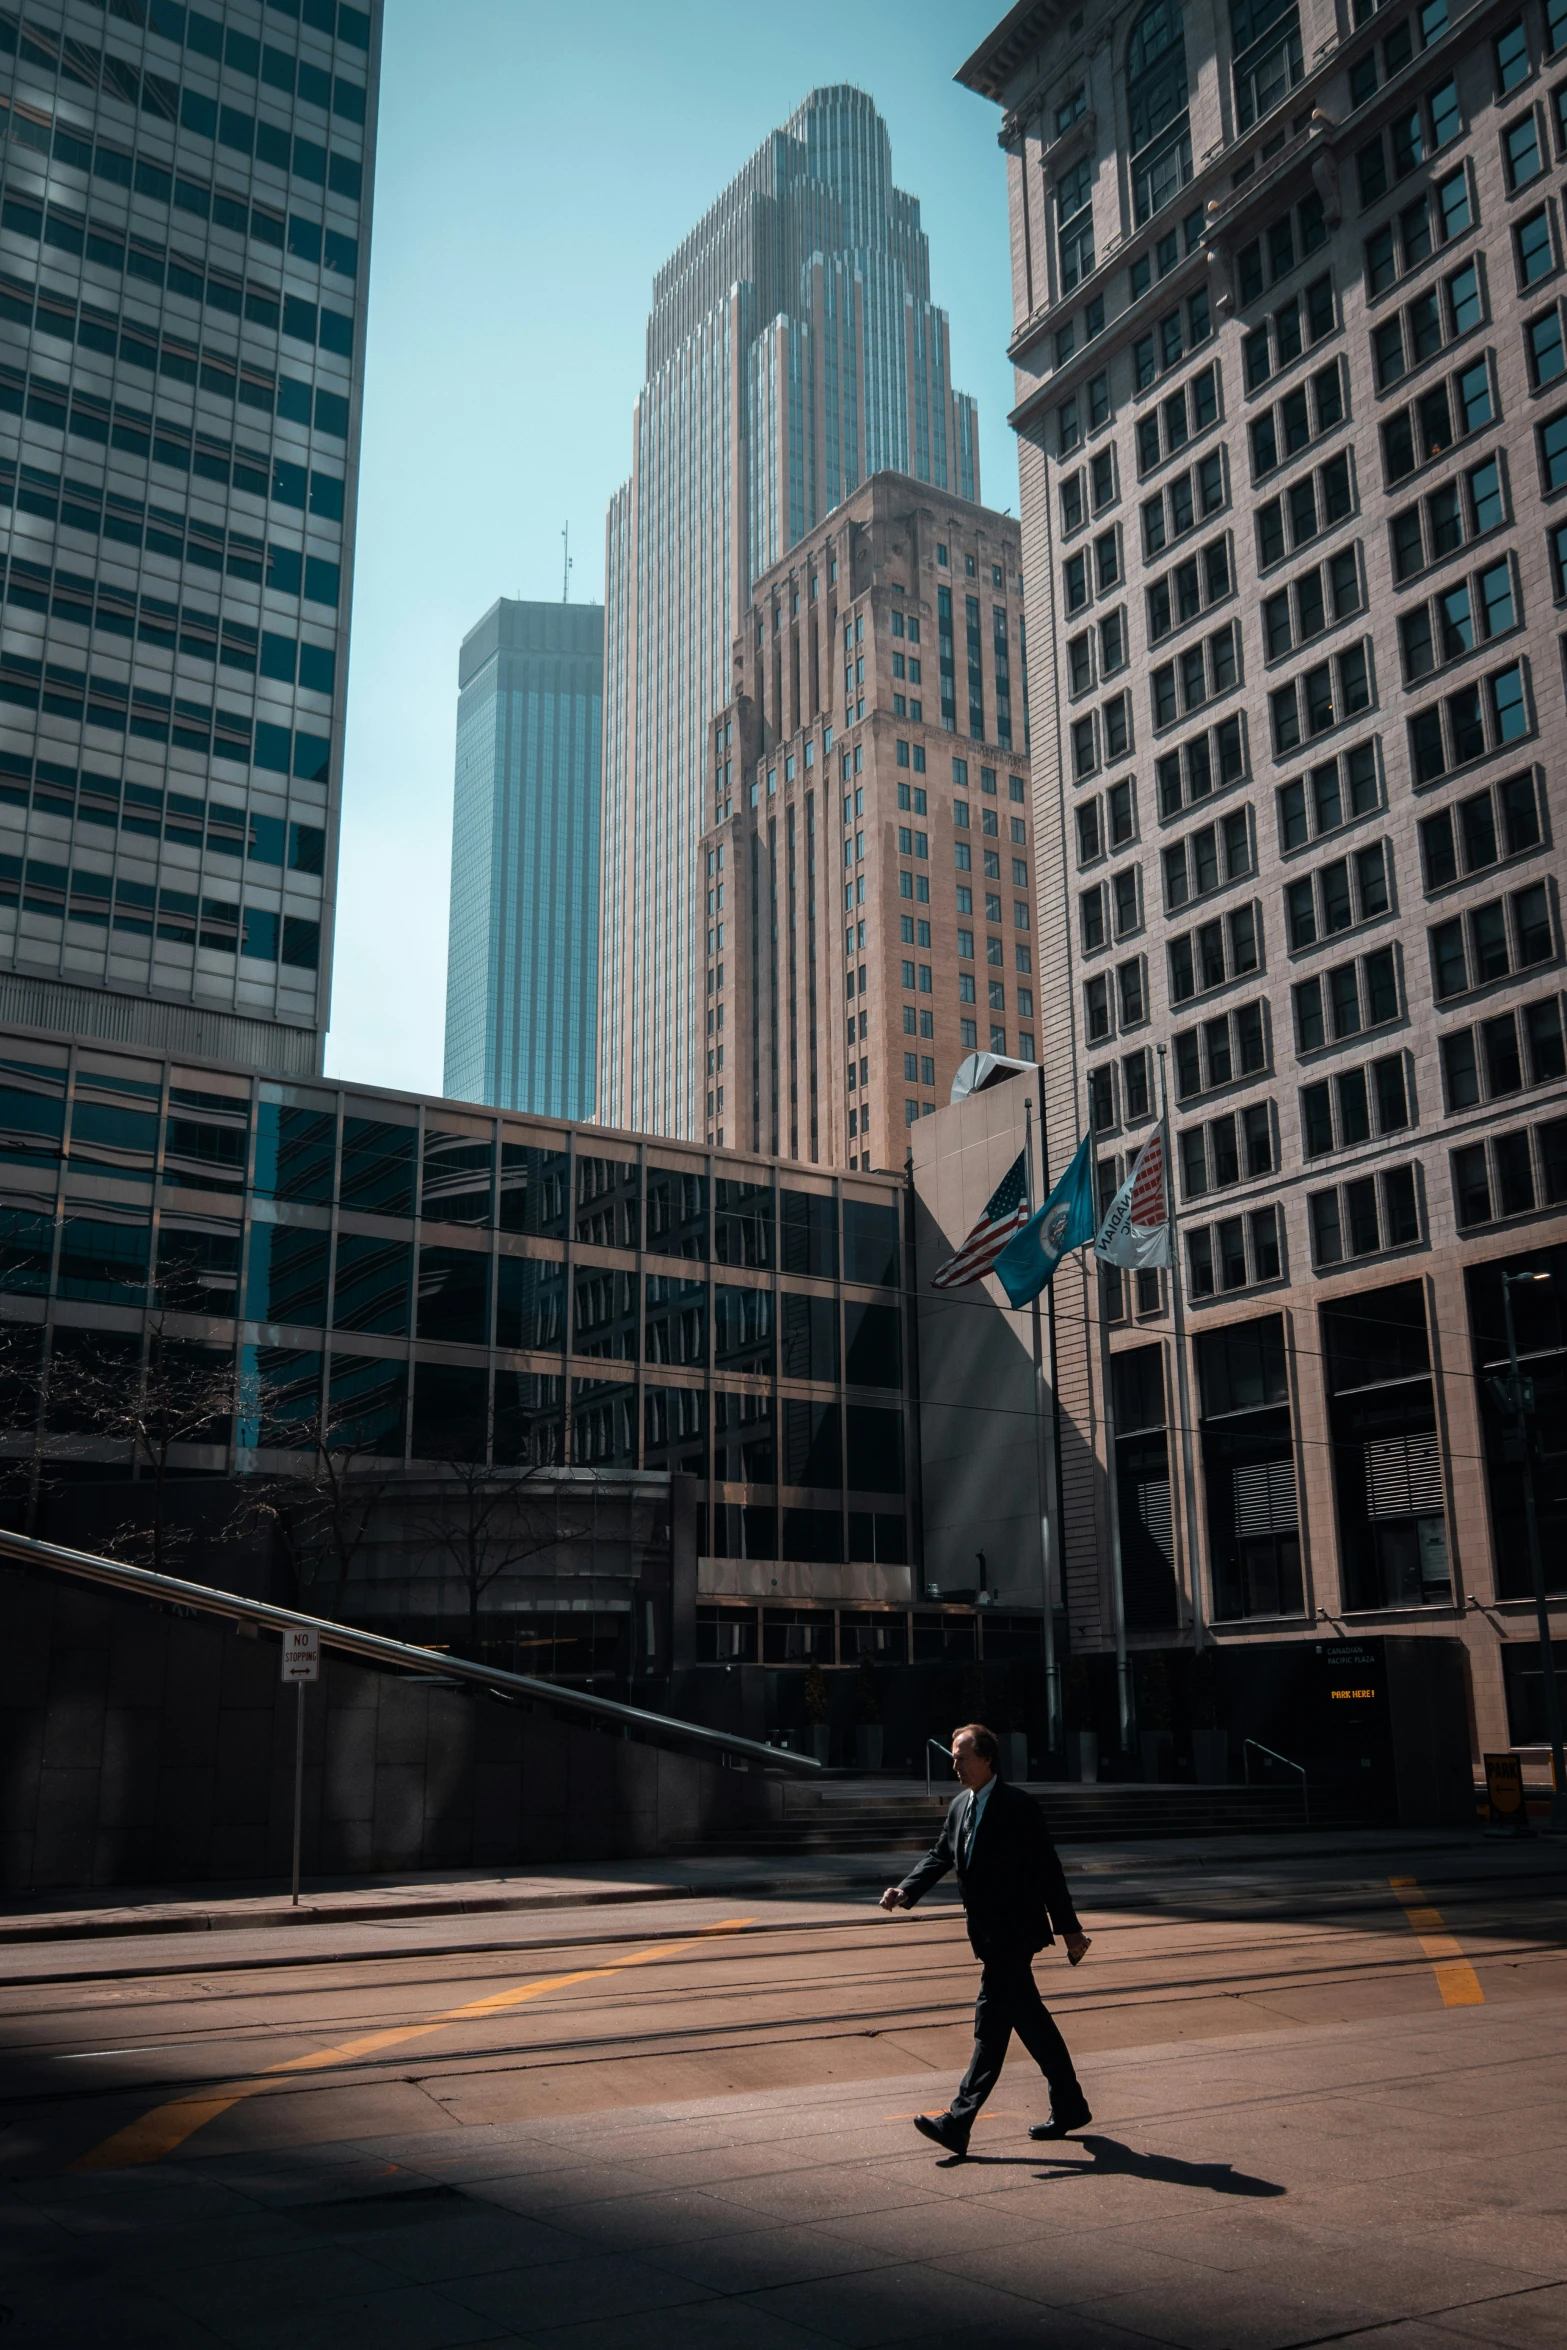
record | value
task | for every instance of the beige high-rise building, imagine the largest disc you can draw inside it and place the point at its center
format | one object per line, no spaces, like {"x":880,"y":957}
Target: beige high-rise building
{"x":1292,"y":411}
{"x":868,"y":862}
{"x":793,"y":351}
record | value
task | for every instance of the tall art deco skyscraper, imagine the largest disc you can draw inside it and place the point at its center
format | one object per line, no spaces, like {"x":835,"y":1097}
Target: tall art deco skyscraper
{"x":792,"y":351}
{"x":184,"y":255}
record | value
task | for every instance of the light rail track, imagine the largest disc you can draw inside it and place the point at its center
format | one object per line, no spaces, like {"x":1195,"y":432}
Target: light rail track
{"x":1160,"y":1911}
{"x":1292,"y":1968}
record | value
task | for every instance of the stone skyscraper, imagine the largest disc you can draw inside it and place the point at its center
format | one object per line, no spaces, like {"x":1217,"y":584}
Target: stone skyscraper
{"x":523,"y":945}
{"x":1293,"y":437}
{"x":792,"y":352}
{"x":184,"y":254}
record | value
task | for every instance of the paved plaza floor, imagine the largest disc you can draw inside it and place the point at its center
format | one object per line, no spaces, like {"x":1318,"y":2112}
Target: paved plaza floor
{"x":1399,"y":2181}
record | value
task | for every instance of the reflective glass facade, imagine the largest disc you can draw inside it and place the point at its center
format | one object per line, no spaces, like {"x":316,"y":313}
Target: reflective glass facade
{"x":793,"y":351}
{"x":433,"y":1283}
{"x":184,"y":258}
{"x":523,"y":943}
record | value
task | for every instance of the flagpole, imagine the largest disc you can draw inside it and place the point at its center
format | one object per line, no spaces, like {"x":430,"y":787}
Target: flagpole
{"x":1183,"y":1396}
{"x":1123,"y":1673}
{"x":1041,"y":1481}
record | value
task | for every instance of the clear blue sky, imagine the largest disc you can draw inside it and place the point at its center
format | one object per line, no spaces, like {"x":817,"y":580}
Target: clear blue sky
{"x":537,"y":162}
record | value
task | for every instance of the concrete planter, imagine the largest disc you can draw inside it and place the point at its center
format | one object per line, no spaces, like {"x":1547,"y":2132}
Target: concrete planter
{"x":1082,"y":1755}
{"x":868,"y":1739}
{"x":1014,"y":1753}
{"x":1157,"y":1748}
{"x":1211,"y":1757}
{"x":818,"y":1740}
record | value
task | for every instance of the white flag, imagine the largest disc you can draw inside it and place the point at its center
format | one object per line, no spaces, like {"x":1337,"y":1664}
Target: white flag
{"x":1136,"y":1229}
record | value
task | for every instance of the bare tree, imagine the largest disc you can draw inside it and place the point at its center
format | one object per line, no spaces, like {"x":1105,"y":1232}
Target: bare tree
{"x":183,"y":1394}
{"x":21,"y":1419}
{"x":485,"y":1522}
{"x":323,"y":1505}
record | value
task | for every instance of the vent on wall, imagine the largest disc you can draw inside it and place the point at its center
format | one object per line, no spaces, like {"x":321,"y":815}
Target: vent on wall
{"x":1403,"y":1477}
{"x":1265,"y":1499}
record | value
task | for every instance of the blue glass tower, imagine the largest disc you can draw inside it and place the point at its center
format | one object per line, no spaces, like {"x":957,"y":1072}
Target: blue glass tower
{"x":523,"y":944}
{"x":184,"y":256}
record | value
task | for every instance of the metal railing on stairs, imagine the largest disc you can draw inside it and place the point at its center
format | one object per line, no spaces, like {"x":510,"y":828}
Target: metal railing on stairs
{"x":1305,"y":1795}
{"x":377,"y":1648}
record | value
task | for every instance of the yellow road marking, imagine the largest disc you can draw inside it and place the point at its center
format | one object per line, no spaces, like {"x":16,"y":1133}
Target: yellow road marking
{"x":1455,"y":1977}
{"x":154,"y":2134}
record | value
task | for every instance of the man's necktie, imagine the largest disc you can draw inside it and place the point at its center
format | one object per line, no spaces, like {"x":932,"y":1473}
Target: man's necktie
{"x":970,"y":1823}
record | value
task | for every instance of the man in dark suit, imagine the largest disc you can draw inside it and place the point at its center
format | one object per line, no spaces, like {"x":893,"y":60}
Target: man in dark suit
{"x":1014,"y":1892}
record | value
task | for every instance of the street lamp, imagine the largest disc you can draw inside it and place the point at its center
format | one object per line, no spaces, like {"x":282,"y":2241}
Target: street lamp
{"x":1520,"y":1402}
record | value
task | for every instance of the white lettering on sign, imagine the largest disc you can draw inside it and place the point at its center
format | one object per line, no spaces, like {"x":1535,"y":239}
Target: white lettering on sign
{"x":301,"y":1653}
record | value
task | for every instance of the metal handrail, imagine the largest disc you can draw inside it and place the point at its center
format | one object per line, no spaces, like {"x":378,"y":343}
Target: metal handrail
{"x":1305,"y":1796}
{"x":204,"y":1599}
{"x":945,"y":1753}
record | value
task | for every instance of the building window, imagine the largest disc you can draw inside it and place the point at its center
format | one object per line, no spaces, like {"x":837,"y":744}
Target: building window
{"x":1235,"y":1148}
{"x":1414,"y":135}
{"x":1178,"y":419}
{"x":1335,"y":793}
{"x":1315,"y":602}
{"x":1305,"y":319}
{"x":1300,"y":514}
{"x":1230,"y":1047}
{"x":1340,"y":1113}
{"x":1323,"y":698}
{"x":1346,"y":1001}
{"x":1268,"y":57}
{"x":1338,"y":896}
{"x":1249,"y":1471}
{"x":1446,"y":312}
{"x":1207,"y":860}
{"x":1365,"y":1218}
{"x":1494,"y":941}
{"x":1208,"y":762}
{"x":1450,"y":411}
{"x":1074,"y":213}
{"x":1470,"y":723}
{"x":1214,"y":953}
{"x":1301,"y":417}
{"x":1191,"y":588}
{"x":1186,"y":499}
{"x":1387,"y":1468}
{"x":1239,"y":1252}
{"x":1201,"y":674}
{"x":1156,"y":90}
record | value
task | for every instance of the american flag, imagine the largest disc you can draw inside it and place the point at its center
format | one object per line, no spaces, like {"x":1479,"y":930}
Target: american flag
{"x":1006,"y":1211}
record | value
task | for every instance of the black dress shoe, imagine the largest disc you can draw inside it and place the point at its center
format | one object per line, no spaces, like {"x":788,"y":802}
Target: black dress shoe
{"x":942,"y":2128}
{"x":1070,"y":2114}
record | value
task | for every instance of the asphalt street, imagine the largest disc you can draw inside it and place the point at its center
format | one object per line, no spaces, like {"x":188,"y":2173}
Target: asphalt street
{"x":1330,"y":2094}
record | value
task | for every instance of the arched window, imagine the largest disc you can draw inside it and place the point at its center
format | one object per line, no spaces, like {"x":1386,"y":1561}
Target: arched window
{"x":1156,"y":94}
{"x":1268,"y":61}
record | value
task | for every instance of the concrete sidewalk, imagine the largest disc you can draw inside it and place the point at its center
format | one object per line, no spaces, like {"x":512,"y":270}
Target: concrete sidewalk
{"x":113,"y":1911}
{"x":1395,"y":2182}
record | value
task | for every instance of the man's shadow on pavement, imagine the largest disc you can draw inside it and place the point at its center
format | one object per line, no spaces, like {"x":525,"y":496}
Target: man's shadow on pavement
{"x":1113,"y":2160}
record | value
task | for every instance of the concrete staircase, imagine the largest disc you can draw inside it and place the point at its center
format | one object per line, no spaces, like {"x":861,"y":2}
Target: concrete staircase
{"x":888,"y":1815}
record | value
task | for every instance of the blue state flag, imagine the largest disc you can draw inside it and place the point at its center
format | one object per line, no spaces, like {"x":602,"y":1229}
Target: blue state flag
{"x":1065,"y":1221}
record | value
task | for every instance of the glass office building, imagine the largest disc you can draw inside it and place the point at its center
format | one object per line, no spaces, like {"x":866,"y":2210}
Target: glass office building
{"x":523,"y":941}
{"x":443,"y":1284}
{"x":793,"y":350}
{"x":184,"y":251}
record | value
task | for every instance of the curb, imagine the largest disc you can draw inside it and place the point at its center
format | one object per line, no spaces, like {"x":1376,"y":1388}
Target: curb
{"x":119,"y":1925}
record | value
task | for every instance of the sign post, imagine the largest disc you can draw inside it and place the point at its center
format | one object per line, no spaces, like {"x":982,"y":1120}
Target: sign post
{"x":301,"y":1663}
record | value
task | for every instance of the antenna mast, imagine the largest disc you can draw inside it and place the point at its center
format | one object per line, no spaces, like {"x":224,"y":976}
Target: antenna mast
{"x":565,"y":564}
